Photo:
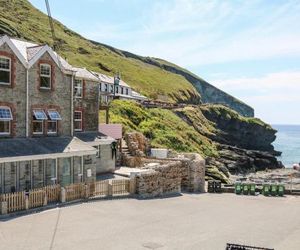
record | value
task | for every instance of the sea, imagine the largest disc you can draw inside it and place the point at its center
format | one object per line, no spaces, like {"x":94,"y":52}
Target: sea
{"x":288,"y":142}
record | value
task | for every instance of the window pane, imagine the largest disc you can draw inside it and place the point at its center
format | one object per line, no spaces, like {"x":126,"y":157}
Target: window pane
{"x":52,"y":127}
{"x":45,"y":82}
{"x":5,"y":114}
{"x":38,"y":173}
{"x":10,"y":175}
{"x":4,"y":63}
{"x":77,"y":115}
{"x":25,"y":175}
{"x":37,"y":127}
{"x":77,"y":169}
{"x":78,"y":92}
{"x":5,"y":127}
{"x":64,"y":165}
{"x":4,"y":77}
{"x":46,"y":70}
{"x":77,"y":125}
{"x":50,"y":171}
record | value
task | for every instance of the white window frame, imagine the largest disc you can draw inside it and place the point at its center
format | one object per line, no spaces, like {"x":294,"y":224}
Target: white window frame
{"x":76,"y":87}
{"x":38,"y":133}
{"x":6,"y":70}
{"x":78,"y":120}
{"x":48,"y":76}
{"x":7,"y":120}
{"x":52,"y":133}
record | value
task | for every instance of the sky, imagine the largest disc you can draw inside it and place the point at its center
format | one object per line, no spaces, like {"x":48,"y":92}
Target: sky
{"x":250,"y":49}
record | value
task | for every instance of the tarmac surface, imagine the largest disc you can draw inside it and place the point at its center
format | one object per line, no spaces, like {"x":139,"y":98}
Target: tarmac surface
{"x":190,"y":221}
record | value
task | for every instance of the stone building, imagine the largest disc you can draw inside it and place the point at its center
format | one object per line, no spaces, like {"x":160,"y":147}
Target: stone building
{"x":46,"y":106}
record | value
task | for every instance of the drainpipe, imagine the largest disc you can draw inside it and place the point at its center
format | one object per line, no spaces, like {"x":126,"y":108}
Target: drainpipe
{"x":27,"y":103}
{"x":72,"y":105}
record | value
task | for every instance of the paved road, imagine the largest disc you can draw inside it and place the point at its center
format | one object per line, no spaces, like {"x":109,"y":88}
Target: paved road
{"x":190,"y":221}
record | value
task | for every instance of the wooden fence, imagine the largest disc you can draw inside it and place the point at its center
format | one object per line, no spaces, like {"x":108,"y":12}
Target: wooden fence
{"x":98,"y":189}
{"x":15,"y":201}
{"x":53,"y":193}
{"x":75,"y":191}
{"x":36,"y":198}
{"x":42,"y":196}
{"x":120,"y":187}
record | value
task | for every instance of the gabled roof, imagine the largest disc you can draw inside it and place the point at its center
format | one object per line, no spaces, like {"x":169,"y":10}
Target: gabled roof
{"x":29,"y":53}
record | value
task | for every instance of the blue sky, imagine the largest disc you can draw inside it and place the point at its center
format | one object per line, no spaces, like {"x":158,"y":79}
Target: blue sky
{"x":250,"y":49}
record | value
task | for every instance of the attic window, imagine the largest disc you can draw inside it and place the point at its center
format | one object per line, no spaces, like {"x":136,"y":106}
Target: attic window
{"x":45,"y":76}
{"x":5,"y":67}
{"x":78,"y":88}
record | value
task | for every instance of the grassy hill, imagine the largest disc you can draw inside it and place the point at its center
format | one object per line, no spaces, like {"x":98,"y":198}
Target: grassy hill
{"x":20,"y":19}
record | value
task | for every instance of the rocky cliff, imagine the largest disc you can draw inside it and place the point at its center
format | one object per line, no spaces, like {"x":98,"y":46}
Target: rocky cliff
{"x":229,"y":142}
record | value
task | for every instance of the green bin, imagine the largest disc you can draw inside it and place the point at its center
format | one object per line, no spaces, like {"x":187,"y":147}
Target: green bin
{"x":266,"y":189}
{"x":246,"y":188}
{"x":274,"y":189}
{"x":252,"y":188}
{"x":238,"y":187}
{"x":281,"y":190}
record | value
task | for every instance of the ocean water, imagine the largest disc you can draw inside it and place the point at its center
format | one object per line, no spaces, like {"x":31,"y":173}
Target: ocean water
{"x":288,"y":142}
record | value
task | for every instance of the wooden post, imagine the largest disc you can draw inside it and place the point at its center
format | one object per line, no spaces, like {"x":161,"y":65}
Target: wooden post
{"x":26,"y":202}
{"x":109,"y":190}
{"x":86,"y":189}
{"x":132,"y":183}
{"x":62,"y":195}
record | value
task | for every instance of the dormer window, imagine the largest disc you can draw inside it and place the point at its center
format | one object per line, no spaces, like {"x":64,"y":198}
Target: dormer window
{"x":5,"y":120}
{"x":78,"y":88}
{"x":45,"y":76}
{"x":5,"y":70}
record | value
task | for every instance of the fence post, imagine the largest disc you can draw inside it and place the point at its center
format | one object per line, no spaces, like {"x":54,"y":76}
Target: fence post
{"x":86,"y":189}
{"x":132,"y":183}
{"x":4,"y":207}
{"x":110,"y":190}
{"x":26,"y":202}
{"x":62,"y":195}
{"x":45,"y":200}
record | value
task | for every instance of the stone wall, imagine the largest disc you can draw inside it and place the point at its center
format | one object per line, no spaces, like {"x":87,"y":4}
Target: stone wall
{"x":138,"y":144}
{"x":88,"y":104}
{"x":170,"y":176}
{"x":14,"y":96}
{"x":59,"y":96}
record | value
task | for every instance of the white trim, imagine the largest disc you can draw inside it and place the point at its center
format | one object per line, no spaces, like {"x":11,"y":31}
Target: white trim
{"x":6,"y":39}
{"x":41,"y":52}
{"x":47,"y":156}
{"x":7,"y":70}
{"x":27,"y":103}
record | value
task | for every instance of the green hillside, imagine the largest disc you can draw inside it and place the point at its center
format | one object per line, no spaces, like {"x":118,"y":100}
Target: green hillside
{"x":20,"y":19}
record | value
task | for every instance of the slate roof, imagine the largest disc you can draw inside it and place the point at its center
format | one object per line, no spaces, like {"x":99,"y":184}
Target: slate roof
{"x":93,"y":137}
{"x":110,"y":79}
{"x":41,"y":146}
{"x":84,"y":73}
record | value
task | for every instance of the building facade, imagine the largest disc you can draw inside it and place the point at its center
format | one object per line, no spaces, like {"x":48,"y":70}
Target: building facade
{"x":45,"y":106}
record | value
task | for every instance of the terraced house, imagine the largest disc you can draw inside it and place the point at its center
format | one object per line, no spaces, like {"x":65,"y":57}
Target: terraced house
{"x":48,"y":119}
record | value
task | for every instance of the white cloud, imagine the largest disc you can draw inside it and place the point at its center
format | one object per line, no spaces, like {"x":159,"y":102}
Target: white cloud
{"x":275,"y":96}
